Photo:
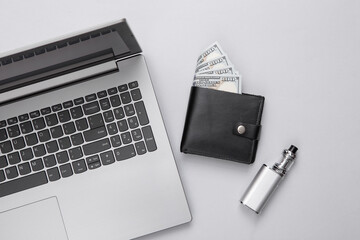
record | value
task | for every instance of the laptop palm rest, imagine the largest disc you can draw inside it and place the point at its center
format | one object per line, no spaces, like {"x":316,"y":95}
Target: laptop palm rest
{"x":40,"y":220}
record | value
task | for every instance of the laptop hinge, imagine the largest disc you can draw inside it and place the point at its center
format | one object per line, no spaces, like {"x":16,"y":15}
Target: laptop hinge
{"x":81,"y":74}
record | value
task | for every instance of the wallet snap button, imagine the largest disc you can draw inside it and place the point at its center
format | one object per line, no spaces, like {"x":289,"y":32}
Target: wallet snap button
{"x":241,"y":129}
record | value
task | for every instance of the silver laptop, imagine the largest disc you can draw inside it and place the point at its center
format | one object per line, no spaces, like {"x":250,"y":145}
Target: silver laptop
{"x":84,"y":151}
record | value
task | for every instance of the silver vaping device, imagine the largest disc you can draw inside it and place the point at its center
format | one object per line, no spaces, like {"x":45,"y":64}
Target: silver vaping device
{"x":267,"y":180}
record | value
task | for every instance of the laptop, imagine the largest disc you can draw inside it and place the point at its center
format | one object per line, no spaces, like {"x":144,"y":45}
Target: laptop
{"x":84,"y":151}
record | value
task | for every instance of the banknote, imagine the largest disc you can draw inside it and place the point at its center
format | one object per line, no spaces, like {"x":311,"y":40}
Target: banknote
{"x":220,"y":62}
{"x":210,"y":53}
{"x":229,"y":70}
{"x":228,"y":83}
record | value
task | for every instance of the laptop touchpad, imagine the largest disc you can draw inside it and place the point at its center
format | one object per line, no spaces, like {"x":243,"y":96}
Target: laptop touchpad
{"x":40,"y":220}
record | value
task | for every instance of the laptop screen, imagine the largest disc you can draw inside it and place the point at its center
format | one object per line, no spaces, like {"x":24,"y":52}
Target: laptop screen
{"x":66,"y":55}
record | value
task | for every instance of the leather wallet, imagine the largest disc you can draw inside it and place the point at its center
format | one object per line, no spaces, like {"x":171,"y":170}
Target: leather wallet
{"x":222,"y":125}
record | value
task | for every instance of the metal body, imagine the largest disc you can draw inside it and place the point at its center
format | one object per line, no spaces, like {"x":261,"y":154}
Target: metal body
{"x":266,"y":181}
{"x":124,"y":200}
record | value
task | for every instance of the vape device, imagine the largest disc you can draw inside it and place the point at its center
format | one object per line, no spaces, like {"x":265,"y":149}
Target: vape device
{"x":267,"y":180}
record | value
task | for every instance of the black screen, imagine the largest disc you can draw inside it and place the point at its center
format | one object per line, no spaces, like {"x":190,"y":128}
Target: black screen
{"x":67,"y":55}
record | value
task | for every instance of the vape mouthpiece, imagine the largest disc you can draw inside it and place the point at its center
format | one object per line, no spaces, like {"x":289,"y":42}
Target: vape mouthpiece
{"x":267,"y":180}
{"x":293,"y":149}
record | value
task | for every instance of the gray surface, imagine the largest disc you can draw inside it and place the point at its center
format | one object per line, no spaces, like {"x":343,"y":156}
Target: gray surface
{"x":303,"y":56}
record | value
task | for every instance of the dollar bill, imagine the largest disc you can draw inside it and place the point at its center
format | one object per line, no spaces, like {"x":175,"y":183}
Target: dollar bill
{"x":228,"y":83}
{"x":229,"y":70}
{"x":210,"y":53}
{"x":220,"y":62}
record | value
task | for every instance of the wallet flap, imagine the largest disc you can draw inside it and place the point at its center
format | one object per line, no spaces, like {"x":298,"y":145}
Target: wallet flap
{"x":251,"y":131}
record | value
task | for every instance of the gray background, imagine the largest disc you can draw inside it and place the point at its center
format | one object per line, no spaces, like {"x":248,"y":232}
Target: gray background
{"x":303,"y":56}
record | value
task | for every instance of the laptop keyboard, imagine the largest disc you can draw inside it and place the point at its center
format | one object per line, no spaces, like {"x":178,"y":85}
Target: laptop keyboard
{"x":73,"y":137}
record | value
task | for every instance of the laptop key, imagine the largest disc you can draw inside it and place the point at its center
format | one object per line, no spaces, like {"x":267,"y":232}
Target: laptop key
{"x":69,"y":128}
{"x":75,"y":153}
{"x":14,"y":158}
{"x":90,"y":97}
{"x":107,"y":158}
{"x":62,"y":157}
{"x":35,"y":114}
{"x":115,"y":141}
{"x":24,"y":168}
{"x":126,"y":138}
{"x":31,"y":139}
{"x":50,"y":161}
{"x":2,"y":176}
{"x":68,"y":104}
{"x":56,"y":132}
{"x":123,"y":88}
{"x":66,"y":170}
{"x":95,"y":134}
{"x":23,"y":183}
{"x":129,"y":110}
{"x":39,"y":123}
{"x":91,"y":108}
{"x":125,"y":97}
{"x":5,"y":147}
{"x":3,"y":123}
{"x":149,"y":138}
{"x":105,"y":104}
{"x":96,"y":147}
{"x":64,"y":116}
{"x":108,"y":116}
{"x":115,"y":101}
{"x":51,"y":120}
{"x":13,"y":131}
{"x":81,"y":124}
{"x":39,"y":150}
{"x":133,"y":122}
{"x":133,"y":85}
{"x":94,"y":165}
{"x":76,"y":112}
{"x":11,"y":172}
{"x":126,"y":152}
{"x":122,"y":124}
{"x":3,"y":134}
{"x":3,"y":162}
{"x":64,"y":143}
{"x":119,"y":113}
{"x":53,"y":174}
{"x":93,"y":159}
{"x":44,"y":135}
{"x":23,"y":117}
{"x":77,"y":139}
{"x":79,"y":166}
{"x":112,"y":129}
{"x":12,"y":120}
{"x":45,"y":111}
{"x":141,"y":113}
{"x":52,"y":146}
{"x":26,"y":127}
{"x":79,"y":101}
{"x":140,"y":148}
{"x":102,"y":94}
{"x":26,"y":154}
{"x":37,"y":164}
{"x":56,"y":107}
{"x":136,"y":94}
{"x":96,"y":121}
{"x":136,"y":134}
{"x":112,"y":91}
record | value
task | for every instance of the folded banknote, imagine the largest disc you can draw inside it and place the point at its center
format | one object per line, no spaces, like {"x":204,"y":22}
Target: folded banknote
{"x":214,"y":70}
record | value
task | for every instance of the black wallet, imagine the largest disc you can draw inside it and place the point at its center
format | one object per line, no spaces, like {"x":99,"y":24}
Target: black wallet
{"x":222,"y":125}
